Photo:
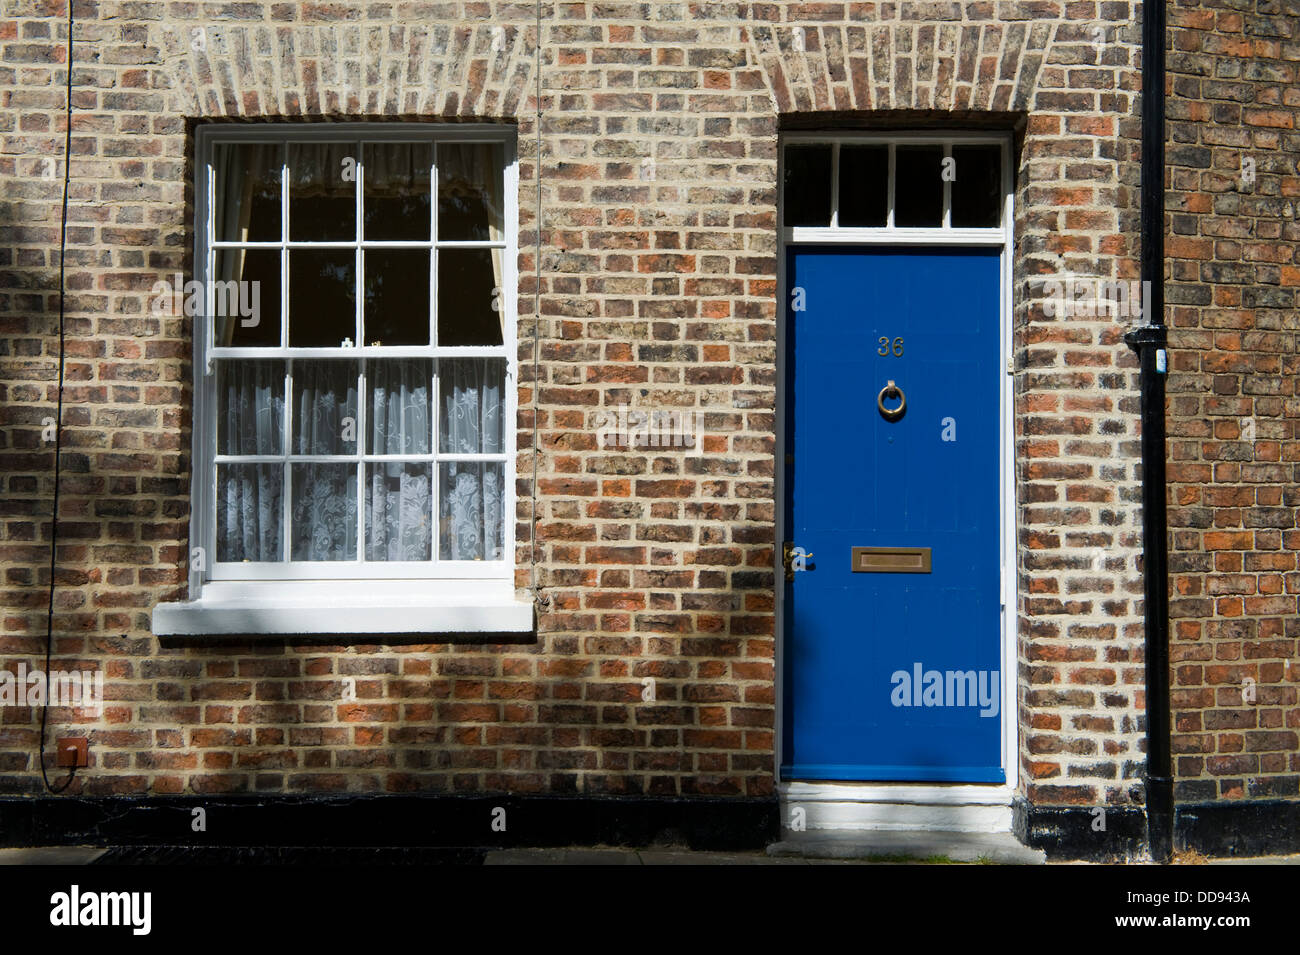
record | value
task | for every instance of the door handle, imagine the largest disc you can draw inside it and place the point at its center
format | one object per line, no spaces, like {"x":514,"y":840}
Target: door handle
{"x":891,"y":390}
{"x":793,"y":558}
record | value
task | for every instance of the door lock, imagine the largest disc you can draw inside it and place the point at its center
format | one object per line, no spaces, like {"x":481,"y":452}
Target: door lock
{"x":794,"y":558}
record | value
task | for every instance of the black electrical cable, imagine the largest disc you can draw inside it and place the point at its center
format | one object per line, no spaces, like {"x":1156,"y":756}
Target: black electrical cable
{"x":58,"y":414}
{"x":538,"y":599}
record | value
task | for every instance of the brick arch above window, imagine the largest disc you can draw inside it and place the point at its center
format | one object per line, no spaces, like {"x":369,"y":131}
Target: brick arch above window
{"x":351,"y":67}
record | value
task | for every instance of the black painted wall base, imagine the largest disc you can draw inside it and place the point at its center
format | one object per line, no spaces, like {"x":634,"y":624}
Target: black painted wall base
{"x":1236,"y":829}
{"x":446,"y":821}
{"x":1089,"y":833}
{"x":1239,"y":829}
{"x":462,"y":821}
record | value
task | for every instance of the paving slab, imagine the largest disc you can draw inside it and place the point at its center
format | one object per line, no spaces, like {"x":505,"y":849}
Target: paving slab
{"x":573,"y":856}
{"x":1255,"y":860}
{"x":687,"y":857}
{"x":664,"y":856}
{"x":908,"y":845}
{"x":51,"y":855}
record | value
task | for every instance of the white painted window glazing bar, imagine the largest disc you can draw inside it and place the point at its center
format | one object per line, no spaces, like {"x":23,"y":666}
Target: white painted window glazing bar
{"x":286,"y":478}
{"x":835,"y":185}
{"x":909,"y":236}
{"x":358,"y":458}
{"x":337,"y":458}
{"x":433,"y":257}
{"x":374,"y":351}
{"x":366,"y":244}
{"x":286,"y":486}
{"x":361,"y":433}
{"x":947,"y":185}
{"x":435,"y":476}
{"x":889,"y":219}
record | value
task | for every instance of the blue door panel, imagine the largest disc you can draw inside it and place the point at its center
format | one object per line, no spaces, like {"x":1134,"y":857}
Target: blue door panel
{"x":893,"y":676}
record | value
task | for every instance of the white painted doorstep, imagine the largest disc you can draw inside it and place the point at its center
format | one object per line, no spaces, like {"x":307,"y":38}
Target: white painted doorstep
{"x":867,"y":806}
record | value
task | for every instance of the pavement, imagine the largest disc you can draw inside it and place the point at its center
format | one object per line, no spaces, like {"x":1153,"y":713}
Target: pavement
{"x":51,"y":855}
{"x":805,"y":848}
{"x":818,"y":847}
{"x":896,"y":845}
{"x":614,"y":856}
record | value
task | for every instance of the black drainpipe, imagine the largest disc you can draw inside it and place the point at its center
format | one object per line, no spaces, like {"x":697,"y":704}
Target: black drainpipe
{"x":1149,"y":341}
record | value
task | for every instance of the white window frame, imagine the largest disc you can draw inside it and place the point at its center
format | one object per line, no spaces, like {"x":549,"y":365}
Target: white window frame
{"x":348,"y":596}
{"x":912,"y":235}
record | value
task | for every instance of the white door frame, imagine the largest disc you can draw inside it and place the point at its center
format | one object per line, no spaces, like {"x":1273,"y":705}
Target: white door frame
{"x":938,"y":806}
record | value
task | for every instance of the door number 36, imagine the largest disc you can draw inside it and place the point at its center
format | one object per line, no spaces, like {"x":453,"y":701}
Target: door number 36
{"x":885,"y":347}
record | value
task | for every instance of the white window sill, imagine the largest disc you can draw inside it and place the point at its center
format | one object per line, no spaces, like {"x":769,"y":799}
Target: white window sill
{"x":347,"y":608}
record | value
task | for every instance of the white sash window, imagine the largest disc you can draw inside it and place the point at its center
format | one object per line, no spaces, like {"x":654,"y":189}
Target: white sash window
{"x":354,"y":343}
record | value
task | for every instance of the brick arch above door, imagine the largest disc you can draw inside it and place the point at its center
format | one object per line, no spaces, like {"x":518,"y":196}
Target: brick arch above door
{"x":941,"y":56}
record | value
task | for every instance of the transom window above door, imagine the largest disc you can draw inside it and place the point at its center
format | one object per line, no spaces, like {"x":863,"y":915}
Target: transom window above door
{"x":877,"y":183}
{"x":354,"y":414}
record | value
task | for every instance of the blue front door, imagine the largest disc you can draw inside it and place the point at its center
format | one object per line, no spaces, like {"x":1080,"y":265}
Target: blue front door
{"x":892,"y":627}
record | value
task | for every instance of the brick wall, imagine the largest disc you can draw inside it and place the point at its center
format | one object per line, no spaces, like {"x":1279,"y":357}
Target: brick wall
{"x":655,"y":292}
{"x":1232,"y":246}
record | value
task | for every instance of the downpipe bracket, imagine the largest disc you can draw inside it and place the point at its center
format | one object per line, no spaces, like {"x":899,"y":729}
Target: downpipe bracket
{"x":1147,"y":336}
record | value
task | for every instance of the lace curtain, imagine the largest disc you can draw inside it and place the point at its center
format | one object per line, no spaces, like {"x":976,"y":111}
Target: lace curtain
{"x":398,"y":503}
{"x":250,"y":415}
{"x":396,"y":495}
{"x":471,"y":515}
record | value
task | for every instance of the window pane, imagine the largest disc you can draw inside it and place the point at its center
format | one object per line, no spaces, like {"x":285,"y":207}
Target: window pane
{"x":864,"y":186}
{"x":399,"y":512}
{"x":399,"y":406}
{"x":918,"y":186}
{"x":322,"y":298}
{"x":469,"y":297}
{"x":324,"y":512}
{"x":246,"y":298}
{"x":470,"y":191}
{"x":977,"y":190}
{"x":471,"y":411}
{"x":247,"y":181}
{"x":333,"y":193}
{"x":396,"y":204}
{"x":397,"y":297}
{"x":324,"y":407}
{"x":808,"y":185}
{"x":250,"y":407}
{"x":250,"y":521}
{"x":322,"y":191}
{"x":470,"y":511}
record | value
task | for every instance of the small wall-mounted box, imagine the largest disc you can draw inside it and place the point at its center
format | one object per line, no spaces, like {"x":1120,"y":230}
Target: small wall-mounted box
{"x":73,"y":752}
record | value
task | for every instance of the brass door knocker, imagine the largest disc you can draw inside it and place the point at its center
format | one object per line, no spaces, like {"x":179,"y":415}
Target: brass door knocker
{"x":891,"y":390}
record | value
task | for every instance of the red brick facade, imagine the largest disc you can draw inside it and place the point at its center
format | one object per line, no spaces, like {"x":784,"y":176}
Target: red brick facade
{"x":1233,"y":273}
{"x":663,"y":291}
